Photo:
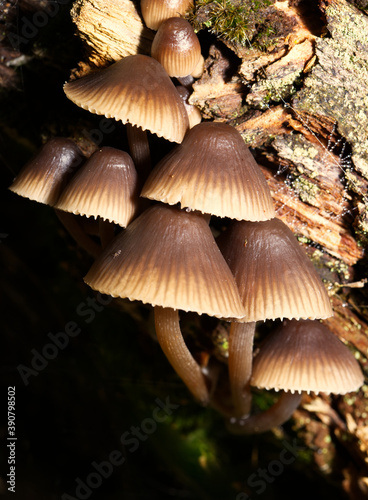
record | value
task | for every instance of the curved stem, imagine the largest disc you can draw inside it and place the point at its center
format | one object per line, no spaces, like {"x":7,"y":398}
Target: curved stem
{"x":240,"y":366}
{"x":76,"y":231}
{"x":139,"y":151}
{"x":279,"y":413}
{"x":172,"y":343}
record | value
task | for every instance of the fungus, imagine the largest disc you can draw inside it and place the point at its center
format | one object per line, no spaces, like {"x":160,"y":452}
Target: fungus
{"x":106,"y":187}
{"x":214,"y":172}
{"x":177,"y":48}
{"x":299,"y":356}
{"x":168,"y":258}
{"x":276,"y":280}
{"x":194,"y":115}
{"x":154,"y":12}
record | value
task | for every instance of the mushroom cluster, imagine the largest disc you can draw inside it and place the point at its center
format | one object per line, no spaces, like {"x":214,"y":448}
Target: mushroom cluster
{"x":167,"y":255}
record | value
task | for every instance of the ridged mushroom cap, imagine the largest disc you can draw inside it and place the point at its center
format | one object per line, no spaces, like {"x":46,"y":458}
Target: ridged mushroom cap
{"x":45,"y":176}
{"x":306,"y":356}
{"x":106,"y":186}
{"x":135,"y":90}
{"x":168,"y":257}
{"x":176,"y":47}
{"x":275,"y":277}
{"x":214,"y":172}
{"x":154,"y":12}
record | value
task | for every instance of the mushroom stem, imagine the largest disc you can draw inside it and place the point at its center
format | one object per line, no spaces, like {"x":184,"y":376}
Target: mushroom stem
{"x":240,"y":366}
{"x":76,"y":231}
{"x":139,"y":151}
{"x":186,"y":81}
{"x":172,"y":343}
{"x":279,"y":413}
{"x":106,"y":231}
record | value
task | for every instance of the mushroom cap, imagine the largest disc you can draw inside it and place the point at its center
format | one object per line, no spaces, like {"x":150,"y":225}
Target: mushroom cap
{"x":135,"y":90}
{"x":214,"y":172}
{"x":193,"y":112}
{"x":275,"y":277}
{"x":306,"y":356}
{"x":106,"y":186}
{"x":44,"y":177}
{"x":154,"y":12}
{"x":176,"y":47}
{"x":168,"y":257}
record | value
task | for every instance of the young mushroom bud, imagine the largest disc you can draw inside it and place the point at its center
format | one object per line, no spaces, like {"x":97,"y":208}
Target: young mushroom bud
{"x":177,"y":48}
{"x":154,"y":12}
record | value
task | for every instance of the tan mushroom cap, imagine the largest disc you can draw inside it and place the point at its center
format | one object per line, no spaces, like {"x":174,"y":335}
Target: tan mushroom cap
{"x":306,"y":356}
{"x":275,"y":277}
{"x":135,"y":90}
{"x":193,"y":112}
{"x":106,"y":186}
{"x":176,"y":47}
{"x":168,"y":257}
{"x":45,"y":176}
{"x":214,"y":172}
{"x":154,"y":12}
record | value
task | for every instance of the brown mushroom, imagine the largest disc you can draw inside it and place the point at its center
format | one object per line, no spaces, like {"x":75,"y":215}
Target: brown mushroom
{"x":154,"y":12}
{"x":168,"y":258}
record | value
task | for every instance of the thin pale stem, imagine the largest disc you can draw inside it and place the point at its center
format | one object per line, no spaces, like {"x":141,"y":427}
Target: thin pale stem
{"x":106,"y":231}
{"x":240,"y":366}
{"x":279,"y":413}
{"x":139,"y":151}
{"x":76,"y":231}
{"x":172,"y":343}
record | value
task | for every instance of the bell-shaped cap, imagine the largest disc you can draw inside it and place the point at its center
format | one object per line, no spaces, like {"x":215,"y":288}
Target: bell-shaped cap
{"x":193,"y":112}
{"x":106,"y":186}
{"x":176,"y":47}
{"x":135,"y":90}
{"x":154,"y":12}
{"x":214,"y":172}
{"x":306,"y":356}
{"x":275,"y":277}
{"x":45,"y":176}
{"x":168,"y":257}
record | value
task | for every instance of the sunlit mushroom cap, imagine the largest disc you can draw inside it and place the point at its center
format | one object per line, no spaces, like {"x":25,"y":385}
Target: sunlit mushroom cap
{"x":135,"y":90}
{"x":154,"y":12}
{"x":168,"y":257}
{"x":45,"y":176}
{"x":176,"y":47}
{"x":106,"y":186}
{"x":306,"y":356}
{"x":275,"y":277}
{"x":214,"y":172}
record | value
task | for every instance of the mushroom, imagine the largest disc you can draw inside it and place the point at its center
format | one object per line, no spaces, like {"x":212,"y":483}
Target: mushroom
{"x":276,"y":279}
{"x":106,"y":187}
{"x":299,"y":356}
{"x":154,"y":12}
{"x":177,"y":48}
{"x":44,"y":178}
{"x":194,"y":115}
{"x":137,"y":91}
{"x":168,"y":258}
{"x":214,"y":172}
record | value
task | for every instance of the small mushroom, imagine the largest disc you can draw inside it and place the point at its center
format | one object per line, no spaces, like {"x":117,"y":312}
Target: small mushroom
{"x":177,"y":48}
{"x":154,"y":12}
{"x":168,"y":258}
{"x":299,"y":356}
{"x":276,"y":279}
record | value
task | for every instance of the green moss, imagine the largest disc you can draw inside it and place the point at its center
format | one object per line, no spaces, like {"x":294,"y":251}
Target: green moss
{"x":246,"y":22}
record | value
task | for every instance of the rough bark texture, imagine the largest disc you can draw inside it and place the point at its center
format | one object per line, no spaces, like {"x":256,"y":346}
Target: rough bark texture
{"x":292,"y":78}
